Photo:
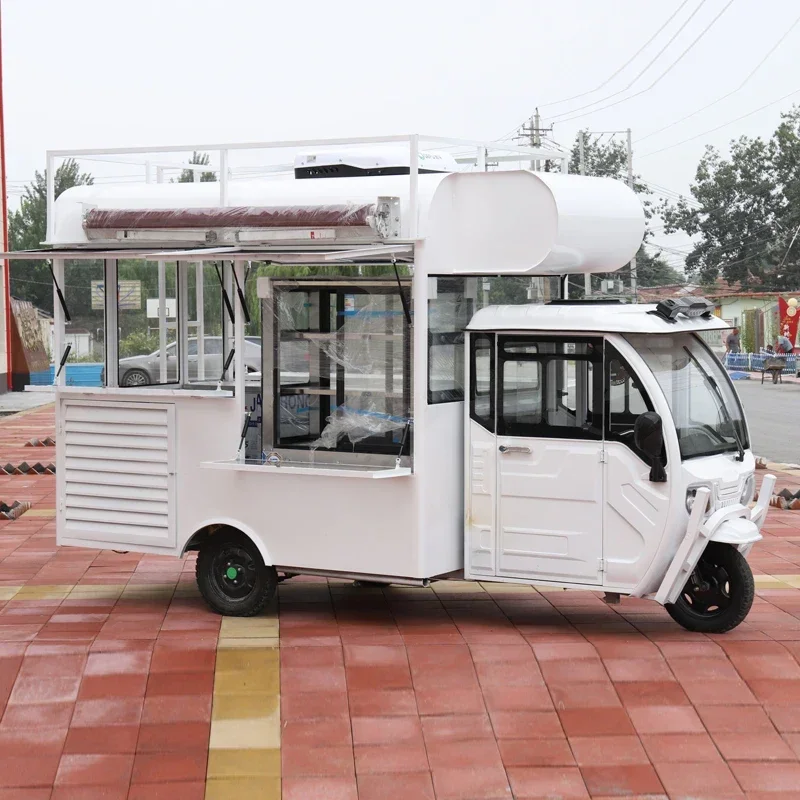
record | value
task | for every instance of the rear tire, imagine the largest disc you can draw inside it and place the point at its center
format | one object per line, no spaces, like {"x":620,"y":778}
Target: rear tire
{"x":718,"y":595}
{"x":232,"y":576}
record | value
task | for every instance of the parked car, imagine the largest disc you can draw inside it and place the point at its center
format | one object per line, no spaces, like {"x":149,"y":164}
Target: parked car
{"x":146,"y":369}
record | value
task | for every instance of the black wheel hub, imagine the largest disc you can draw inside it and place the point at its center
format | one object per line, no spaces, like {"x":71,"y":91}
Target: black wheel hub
{"x":708,"y":591}
{"x":234,"y":572}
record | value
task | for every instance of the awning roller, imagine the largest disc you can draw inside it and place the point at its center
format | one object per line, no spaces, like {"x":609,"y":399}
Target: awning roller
{"x":326,"y":216}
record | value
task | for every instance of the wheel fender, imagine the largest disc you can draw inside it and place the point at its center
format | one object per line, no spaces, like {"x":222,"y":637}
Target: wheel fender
{"x":728,"y":525}
{"x":239,"y":526}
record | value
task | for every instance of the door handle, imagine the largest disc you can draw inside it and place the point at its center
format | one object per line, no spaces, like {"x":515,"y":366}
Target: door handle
{"x":504,"y":449}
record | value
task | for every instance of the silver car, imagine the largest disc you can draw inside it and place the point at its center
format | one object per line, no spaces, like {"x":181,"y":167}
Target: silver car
{"x":146,"y":369}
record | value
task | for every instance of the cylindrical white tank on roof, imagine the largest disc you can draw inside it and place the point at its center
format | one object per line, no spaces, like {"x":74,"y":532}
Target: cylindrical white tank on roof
{"x":526,"y":223}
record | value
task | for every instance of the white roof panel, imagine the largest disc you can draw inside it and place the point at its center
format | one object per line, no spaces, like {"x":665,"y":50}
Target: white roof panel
{"x":587,"y":317}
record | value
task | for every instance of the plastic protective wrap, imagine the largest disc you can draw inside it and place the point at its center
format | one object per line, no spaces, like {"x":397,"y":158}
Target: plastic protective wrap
{"x":345,"y":351}
{"x":323,"y":216}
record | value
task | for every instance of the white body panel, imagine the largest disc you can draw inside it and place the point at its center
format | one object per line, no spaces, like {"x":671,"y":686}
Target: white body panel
{"x":326,"y":521}
{"x":550,"y":509}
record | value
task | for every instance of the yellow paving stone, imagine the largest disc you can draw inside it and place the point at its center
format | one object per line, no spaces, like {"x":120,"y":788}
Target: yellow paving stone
{"x":507,"y":588}
{"x":238,"y":788}
{"x":254,"y":660}
{"x":245,"y":763}
{"x":252,"y":642}
{"x":441,"y":587}
{"x":245,"y":706}
{"x":43,"y":592}
{"x":792,"y":580}
{"x":247,"y":682}
{"x":40,"y":512}
{"x":237,"y":734}
{"x":7,"y":592}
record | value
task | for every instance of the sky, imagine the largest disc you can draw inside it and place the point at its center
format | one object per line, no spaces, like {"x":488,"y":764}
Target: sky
{"x":110,"y":73}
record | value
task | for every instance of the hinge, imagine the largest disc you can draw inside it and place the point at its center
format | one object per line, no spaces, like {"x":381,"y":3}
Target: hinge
{"x":602,"y":455}
{"x":601,"y":565}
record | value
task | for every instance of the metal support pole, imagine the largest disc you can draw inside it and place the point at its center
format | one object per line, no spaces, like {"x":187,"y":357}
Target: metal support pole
{"x":587,"y":278}
{"x":630,"y":183}
{"x":148,"y":172}
{"x":223,"y":178}
{"x":182,"y":321}
{"x":239,"y":371}
{"x":4,"y":228}
{"x":536,"y":139}
{"x":413,"y":201}
{"x":480,"y":160}
{"x":201,"y":338}
{"x":162,"y":321}
{"x":110,"y":295}
{"x":50,"y":177}
{"x":59,"y":324}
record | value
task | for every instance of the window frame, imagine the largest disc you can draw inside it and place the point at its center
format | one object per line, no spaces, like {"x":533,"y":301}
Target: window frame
{"x":454,"y":338}
{"x":544,"y":430}
{"x":473,"y":391}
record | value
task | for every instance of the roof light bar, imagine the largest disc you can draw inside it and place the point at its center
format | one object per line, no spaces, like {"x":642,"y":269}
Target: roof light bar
{"x":671,"y":309}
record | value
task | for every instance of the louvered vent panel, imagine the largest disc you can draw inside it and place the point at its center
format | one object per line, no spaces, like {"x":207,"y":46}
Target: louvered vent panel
{"x":119,"y":472}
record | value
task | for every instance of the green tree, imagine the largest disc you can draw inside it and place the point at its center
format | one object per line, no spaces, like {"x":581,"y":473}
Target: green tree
{"x":27,"y":229}
{"x":745,"y":211}
{"x":202,"y":159}
{"x":609,"y":159}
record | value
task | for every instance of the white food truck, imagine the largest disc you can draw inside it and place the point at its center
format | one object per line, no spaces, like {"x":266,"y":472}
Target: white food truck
{"x":402,"y":428}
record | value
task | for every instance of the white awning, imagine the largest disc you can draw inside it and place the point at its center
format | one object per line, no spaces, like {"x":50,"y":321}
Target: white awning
{"x":375,"y":252}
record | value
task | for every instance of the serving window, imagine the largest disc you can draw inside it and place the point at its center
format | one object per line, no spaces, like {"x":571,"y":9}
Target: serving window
{"x":338,"y":357}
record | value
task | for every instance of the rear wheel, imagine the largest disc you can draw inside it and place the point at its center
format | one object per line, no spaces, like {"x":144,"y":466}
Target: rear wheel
{"x":719,"y":593}
{"x":232,"y":576}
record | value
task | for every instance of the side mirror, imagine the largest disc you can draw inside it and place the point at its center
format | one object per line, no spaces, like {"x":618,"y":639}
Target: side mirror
{"x":648,"y":437}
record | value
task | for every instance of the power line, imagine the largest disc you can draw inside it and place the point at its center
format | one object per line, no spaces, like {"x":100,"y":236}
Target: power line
{"x":720,"y":127}
{"x":637,"y":53}
{"x":632,"y":58}
{"x":657,"y":80}
{"x":649,"y":64}
{"x":729,"y":94}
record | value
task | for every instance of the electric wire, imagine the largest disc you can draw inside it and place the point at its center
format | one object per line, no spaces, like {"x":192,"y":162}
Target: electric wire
{"x":563,"y":118}
{"x":627,"y":63}
{"x":729,"y":94}
{"x":720,"y":127}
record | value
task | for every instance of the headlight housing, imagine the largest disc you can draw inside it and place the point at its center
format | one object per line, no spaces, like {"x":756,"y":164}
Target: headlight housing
{"x":691,"y":494}
{"x":749,"y":490}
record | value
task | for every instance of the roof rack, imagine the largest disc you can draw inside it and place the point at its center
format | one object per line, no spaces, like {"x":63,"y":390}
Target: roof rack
{"x":600,"y":301}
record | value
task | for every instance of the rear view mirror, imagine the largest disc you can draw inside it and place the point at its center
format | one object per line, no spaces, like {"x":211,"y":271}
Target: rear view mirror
{"x":648,"y":437}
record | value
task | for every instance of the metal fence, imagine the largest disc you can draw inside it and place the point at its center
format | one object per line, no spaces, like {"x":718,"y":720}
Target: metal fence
{"x":754,"y":362}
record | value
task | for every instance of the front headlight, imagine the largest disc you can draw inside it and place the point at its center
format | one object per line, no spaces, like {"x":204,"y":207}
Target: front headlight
{"x":749,"y":490}
{"x":691,"y":493}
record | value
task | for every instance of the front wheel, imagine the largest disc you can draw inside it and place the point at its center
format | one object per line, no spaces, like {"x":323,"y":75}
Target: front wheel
{"x":719,"y":593}
{"x":135,"y":377}
{"x":232,"y":576}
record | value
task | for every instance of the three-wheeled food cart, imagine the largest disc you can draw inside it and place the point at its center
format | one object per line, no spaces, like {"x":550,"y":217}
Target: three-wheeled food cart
{"x":402,"y":428}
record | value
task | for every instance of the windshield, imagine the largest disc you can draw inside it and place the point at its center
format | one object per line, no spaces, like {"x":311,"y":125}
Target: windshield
{"x":704,"y":406}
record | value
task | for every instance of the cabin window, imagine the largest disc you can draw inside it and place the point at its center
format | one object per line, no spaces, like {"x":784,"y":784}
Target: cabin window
{"x":147,"y":345}
{"x":482,"y":379}
{"x":626,"y":398}
{"x":550,"y":388}
{"x":340,"y":366}
{"x":451,"y":304}
{"x":449,"y":311}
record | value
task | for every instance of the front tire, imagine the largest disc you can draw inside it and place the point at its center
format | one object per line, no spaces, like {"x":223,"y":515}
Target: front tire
{"x":232,"y":576}
{"x":719,"y":593}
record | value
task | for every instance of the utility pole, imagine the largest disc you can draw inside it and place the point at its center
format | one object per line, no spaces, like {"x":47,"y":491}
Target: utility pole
{"x":630,"y":183}
{"x":587,"y":278}
{"x":6,"y":268}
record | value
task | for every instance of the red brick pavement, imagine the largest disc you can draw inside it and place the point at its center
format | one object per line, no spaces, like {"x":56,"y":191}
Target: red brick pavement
{"x":101,"y":696}
{"x":453,"y":692}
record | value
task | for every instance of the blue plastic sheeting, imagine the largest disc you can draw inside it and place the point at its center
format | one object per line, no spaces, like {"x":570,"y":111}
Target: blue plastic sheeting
{"x":76,"y":375}
{"x":739,"y":376}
